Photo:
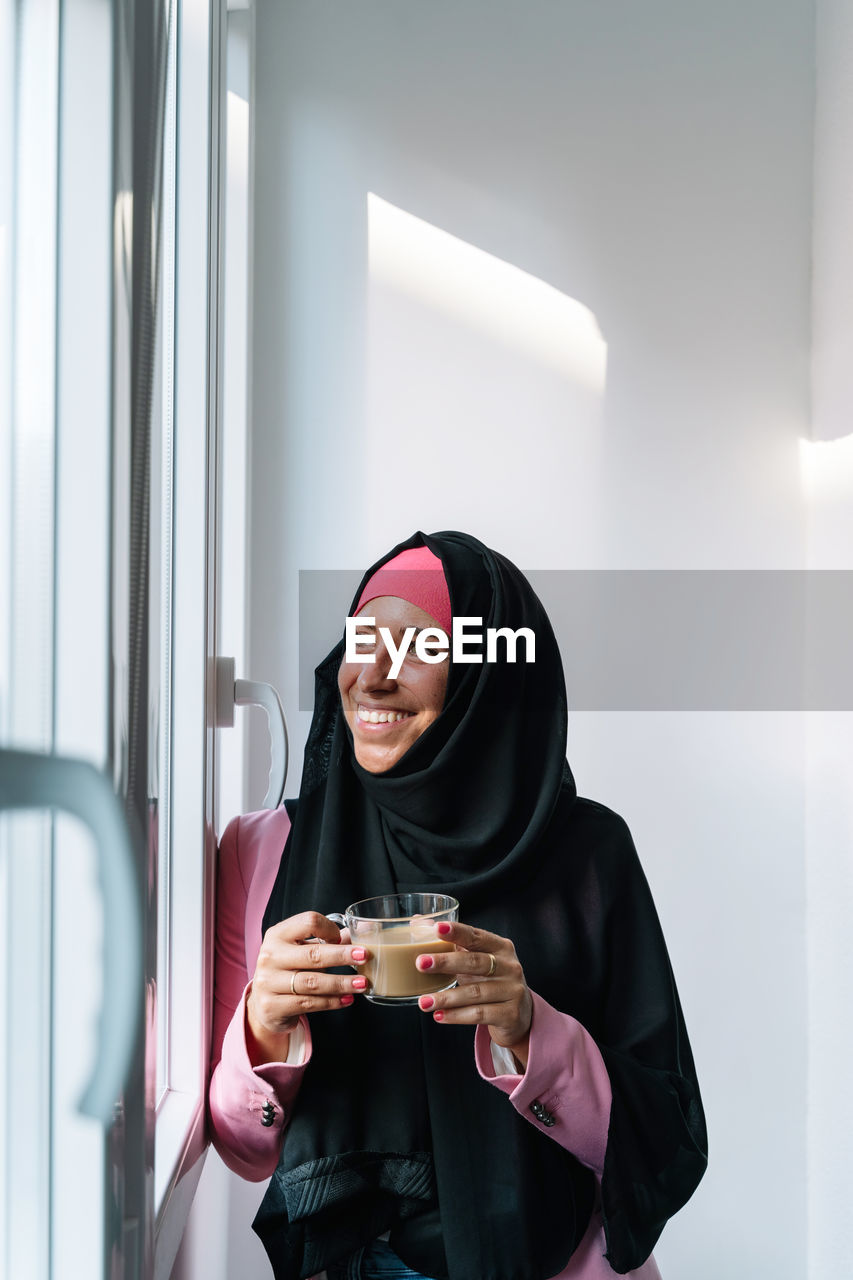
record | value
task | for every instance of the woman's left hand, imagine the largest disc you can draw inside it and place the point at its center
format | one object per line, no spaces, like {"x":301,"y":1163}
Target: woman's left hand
{"x":490,"y":986}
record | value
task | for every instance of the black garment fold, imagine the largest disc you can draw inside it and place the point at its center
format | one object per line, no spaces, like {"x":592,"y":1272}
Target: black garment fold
{"x":482,"y":806}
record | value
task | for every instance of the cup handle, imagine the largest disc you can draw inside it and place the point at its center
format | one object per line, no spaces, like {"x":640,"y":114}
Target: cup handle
{"x":340,"y":921}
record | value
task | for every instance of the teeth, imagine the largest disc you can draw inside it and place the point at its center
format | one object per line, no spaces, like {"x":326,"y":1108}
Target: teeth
{"x":382,"y":717}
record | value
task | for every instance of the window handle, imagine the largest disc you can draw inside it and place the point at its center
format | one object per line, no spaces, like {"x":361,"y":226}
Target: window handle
{"x":29,"y":780}
{"x":242,"y":693}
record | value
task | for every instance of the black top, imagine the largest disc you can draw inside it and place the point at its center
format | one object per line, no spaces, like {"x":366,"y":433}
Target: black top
{"x":393,"y":1129}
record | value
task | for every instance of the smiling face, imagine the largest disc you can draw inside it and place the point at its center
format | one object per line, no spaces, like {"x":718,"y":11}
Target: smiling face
{"x":386,"y":715}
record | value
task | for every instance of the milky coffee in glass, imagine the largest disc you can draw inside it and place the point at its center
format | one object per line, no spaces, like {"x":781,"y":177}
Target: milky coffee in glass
{"x":396,"y":928}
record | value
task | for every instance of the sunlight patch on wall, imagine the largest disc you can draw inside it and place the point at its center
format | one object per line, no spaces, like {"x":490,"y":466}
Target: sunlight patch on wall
{"x":826,"y":467}
{"x":492,"y":296}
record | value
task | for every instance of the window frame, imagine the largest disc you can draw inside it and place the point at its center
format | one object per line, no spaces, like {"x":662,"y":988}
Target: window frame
{"x":180,"y":1136}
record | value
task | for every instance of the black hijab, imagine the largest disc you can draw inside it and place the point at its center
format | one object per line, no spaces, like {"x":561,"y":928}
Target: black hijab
{"x":393,"y":1129}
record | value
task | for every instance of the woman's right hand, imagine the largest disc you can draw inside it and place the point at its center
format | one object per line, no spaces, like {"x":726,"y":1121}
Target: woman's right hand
{"x":289,"y":980}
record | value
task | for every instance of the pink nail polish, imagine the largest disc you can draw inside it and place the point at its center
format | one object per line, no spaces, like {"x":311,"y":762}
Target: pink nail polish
{"x":358,"y":954}
{"x":347,"y":1000}
{"x":438,"y":1016}
{"x":444,"y":928}
{"x":426,"y":1003}
{"x":424,"y":962}
{"x":359,"y":984}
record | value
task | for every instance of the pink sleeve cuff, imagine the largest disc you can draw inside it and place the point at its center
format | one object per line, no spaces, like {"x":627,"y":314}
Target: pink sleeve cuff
{"x":249,"y":1107}
{"x":565,"y":1090}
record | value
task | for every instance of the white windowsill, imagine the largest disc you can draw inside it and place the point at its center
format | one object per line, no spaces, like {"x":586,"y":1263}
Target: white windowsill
{"x":178,"y":1117}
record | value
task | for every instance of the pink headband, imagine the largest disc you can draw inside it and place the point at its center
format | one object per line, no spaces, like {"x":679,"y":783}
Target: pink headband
{"x":415,"y":575}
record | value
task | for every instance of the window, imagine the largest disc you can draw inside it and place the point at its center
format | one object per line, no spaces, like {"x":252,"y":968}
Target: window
{"x":55,"y":226}
{"x":108,"y":596}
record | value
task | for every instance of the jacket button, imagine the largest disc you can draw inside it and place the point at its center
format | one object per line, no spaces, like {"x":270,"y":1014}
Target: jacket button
{"x":267,"y":1114}
{"x":543,"y":1116}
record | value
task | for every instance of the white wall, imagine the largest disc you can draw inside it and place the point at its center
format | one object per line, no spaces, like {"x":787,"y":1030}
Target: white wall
{"x":829,"y":460}
{"x":652,"y":165}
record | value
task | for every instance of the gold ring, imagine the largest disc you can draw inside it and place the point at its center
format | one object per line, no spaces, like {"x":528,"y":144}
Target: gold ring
{"x":293,"y":982}
{"x":493,"y":965}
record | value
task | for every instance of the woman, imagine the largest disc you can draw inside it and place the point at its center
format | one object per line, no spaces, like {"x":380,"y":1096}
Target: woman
{"x":542,"y":1118}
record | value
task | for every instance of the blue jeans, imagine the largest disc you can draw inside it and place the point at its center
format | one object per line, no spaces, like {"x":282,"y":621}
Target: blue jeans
{"x":376,"y":1262}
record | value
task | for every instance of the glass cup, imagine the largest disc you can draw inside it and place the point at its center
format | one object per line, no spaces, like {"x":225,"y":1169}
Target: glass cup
{"x":396,"y":928}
